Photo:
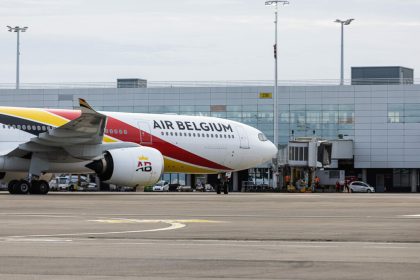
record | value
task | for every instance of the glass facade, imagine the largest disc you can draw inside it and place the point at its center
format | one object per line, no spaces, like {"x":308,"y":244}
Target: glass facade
{"x":321,"y":120}
{"x":404,"y":113}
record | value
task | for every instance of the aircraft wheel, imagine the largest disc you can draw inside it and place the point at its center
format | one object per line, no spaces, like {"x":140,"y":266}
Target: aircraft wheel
{"x":22,"y":187}
{"x":43,"y":187}
{"x":34,"y":188}
{"x":11,"y":186}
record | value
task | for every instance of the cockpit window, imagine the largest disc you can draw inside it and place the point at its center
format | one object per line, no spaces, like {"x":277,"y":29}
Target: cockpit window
{"x":262,"y":137}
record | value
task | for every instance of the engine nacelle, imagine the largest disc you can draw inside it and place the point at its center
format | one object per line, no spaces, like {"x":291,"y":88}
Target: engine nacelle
{"x":133,"y":167}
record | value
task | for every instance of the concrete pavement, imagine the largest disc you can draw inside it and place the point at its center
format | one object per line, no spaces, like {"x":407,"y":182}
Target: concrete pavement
{"x":205,"y":236}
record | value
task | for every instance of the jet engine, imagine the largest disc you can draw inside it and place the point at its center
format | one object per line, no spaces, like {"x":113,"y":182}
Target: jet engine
{"x":133,"y":167}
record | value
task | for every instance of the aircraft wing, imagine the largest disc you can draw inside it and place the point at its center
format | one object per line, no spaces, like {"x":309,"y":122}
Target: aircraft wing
{"x":88,"y":128}
{"x":79,"y":138}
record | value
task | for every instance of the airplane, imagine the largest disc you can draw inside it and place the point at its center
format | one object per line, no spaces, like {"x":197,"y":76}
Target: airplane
{"x":129,"y":149}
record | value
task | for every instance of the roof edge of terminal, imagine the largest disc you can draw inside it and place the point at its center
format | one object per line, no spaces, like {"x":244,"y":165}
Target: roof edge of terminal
{"x":202,"y":84}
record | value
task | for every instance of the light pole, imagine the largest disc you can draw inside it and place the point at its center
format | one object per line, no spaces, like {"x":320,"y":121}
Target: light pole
{"x":343,"y":22}
{"x":276,"y":113}
{"x":17,"y":29}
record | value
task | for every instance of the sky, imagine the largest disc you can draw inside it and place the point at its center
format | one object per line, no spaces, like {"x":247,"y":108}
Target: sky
{"x":207,"y":40}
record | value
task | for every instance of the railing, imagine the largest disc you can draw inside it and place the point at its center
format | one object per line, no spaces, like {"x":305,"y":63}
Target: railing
{"x":234,"y":83}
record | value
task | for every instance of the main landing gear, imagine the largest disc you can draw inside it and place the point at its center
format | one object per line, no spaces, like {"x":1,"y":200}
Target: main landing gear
{"x":24,"y":187}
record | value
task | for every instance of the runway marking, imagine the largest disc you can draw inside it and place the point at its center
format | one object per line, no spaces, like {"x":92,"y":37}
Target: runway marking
{"x":37,"y":215}
{"x":134,"y":221}
{"x":35,"y":240}
{"x":173,"y":224}
{"x":412,"y":216}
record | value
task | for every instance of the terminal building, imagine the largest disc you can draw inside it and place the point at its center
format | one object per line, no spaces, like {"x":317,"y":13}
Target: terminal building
{"x":382,"y":121}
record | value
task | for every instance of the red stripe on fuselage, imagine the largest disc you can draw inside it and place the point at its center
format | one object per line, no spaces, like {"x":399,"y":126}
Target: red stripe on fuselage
{"x":133,"y":135}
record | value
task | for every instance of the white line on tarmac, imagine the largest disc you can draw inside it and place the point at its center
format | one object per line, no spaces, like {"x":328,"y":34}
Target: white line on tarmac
{"x":33,"y":240}
{"x":255,"y":244}
{"x":173,"y":225}
{"x":412,"y":216}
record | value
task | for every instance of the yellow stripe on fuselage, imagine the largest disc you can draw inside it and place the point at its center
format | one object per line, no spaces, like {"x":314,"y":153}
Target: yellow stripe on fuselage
{"x":37,"y":115}
{"x":174,"y":166}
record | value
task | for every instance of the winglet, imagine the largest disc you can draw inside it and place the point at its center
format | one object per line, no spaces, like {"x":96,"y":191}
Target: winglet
{"x":84,"y":105}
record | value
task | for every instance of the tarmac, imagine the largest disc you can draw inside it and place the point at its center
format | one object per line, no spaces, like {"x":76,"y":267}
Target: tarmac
{"x":209,"y":236}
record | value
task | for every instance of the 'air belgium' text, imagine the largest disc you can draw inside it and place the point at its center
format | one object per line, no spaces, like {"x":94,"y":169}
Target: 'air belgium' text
{"x":187,"y":125}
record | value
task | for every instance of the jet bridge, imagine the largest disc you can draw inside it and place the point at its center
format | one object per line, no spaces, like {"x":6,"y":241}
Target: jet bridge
{"x":303,"y":156}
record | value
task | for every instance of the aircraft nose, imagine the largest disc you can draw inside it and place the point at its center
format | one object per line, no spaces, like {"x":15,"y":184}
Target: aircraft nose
{"x":268,"y":152}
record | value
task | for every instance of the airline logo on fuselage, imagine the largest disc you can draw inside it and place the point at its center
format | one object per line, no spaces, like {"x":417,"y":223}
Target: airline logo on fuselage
{"x":143,"y":164}
{"x":192,"y":126}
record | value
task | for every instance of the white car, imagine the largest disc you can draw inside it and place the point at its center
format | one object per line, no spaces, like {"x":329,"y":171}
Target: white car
{"x":161,"y":186}
{"x":358,"y":186}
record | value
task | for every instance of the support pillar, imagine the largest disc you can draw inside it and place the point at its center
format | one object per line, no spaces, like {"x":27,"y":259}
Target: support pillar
{"x":364,"y":175}
{"x":413,"y":173}
{"x":235,"y":182}
{"x":188,"y":180}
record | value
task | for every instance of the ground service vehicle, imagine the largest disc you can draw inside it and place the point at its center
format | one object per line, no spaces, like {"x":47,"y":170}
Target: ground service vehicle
{"x":71,"y":183}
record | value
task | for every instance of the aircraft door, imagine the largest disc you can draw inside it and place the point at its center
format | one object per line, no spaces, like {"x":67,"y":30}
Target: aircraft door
{"x":243,"y":138}
{"x":145,"y":133}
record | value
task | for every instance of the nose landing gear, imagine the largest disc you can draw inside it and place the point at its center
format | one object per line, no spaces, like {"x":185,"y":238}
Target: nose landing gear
{"x":223,"y":183}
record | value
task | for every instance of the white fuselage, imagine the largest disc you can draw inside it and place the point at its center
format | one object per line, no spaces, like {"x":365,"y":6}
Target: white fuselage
{"x":189,"y":144}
